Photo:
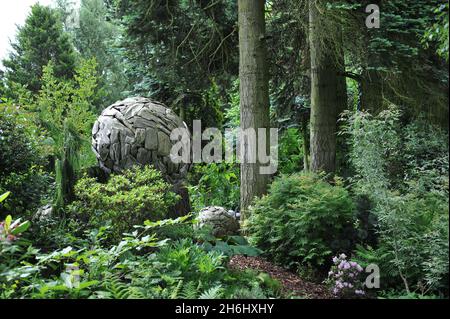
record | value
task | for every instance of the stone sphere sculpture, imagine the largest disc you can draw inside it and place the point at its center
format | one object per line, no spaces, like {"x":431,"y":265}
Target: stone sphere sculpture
{"x":222,"y":222}
{"x":136,"y":131}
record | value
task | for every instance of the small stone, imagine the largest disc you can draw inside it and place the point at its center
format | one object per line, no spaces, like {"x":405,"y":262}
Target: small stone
{"x":114,"y":136}
{"x":126,"y":150}
{"x":103,"y":151}
{"x":151,"y":139}
{"x":140,"y":136}
{"x":219,"y":219}
{"x":164,"y":144}
{"x":143,"y":156}
{"x":114,"y":152}
{"x":95,"y":128}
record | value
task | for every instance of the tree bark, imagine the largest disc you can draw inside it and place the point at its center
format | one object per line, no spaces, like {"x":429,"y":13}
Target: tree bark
{"x":254,"y":91}
{"x":326,"y":96}
{"x":305,"y":143}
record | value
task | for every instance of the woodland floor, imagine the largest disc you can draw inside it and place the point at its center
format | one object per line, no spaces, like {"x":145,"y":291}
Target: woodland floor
{"x":292,"y":284}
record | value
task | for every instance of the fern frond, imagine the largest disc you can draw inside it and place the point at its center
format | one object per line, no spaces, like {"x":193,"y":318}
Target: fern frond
{"x":116,"y":287}
{"x":212,"y":293}
{"x":190,"y":290}
{"x":176,"y":291}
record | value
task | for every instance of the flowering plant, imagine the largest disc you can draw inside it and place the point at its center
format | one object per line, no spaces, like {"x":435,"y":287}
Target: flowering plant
{"x":9,"y":229}
{"x":345,"y":279}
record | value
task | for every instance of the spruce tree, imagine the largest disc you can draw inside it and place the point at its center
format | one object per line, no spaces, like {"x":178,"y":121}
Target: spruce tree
{"x":39,"y":41}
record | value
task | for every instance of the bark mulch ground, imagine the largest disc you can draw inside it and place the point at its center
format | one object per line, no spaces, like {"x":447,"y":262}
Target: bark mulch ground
{"x":292,"y":284}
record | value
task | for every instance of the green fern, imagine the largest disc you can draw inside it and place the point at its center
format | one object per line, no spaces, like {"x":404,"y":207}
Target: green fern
{"x":212,"y":293}
{"x":116,"y":288}
{"x":136,"y":293}
{"x":255,"y":292}
{"x":176,"y":291}
{"x":191,"y":290}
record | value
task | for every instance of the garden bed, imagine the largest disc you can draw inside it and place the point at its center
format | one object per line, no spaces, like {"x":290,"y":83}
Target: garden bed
{"x":292,"y":284}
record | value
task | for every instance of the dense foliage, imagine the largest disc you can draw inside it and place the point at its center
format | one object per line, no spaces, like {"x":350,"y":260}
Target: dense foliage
{"x":362,"y":174}
{"x":22,"y":164}
{"x":302,"y":221}
{"x":404,"y":173}
{"x":140,"y":266}
{"x":124,"y":200}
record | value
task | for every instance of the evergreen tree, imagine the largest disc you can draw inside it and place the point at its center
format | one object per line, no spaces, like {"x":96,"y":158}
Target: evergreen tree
{"x":95,"y":35}
{"x":2,"y":84}
{"x":177,"y":50}
{"x":397,"y":63}
{"x":328,"y":89}
{"x":254,"y":93}
{"x":38,"y":42}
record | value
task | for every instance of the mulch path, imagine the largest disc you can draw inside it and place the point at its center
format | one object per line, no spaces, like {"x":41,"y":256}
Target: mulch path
{"x":292,"y":284}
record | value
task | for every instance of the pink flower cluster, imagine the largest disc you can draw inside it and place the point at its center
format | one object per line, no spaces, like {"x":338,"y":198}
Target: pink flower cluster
{"x":344,"y":278}
{"x":4,"y":235}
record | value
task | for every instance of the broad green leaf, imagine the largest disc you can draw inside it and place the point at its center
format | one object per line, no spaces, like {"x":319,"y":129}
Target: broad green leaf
{"x":21,"y":228}
{"x":4,"y":196}
{"x":8,"y":222}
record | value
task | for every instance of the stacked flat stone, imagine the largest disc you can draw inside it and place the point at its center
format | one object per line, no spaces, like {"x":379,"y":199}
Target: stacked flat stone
{"x":222,"y":222}
{"x":136,"y":131}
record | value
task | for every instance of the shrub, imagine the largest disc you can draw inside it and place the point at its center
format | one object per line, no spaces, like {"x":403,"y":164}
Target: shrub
{"x":290,"y":151}
{"x":21,"y":164}
{"x":215,"y":184}
{"x":18,"y":152}
{"x":125,"y":199}
{"x":302,"y":221}
{"x":403,"y":170}
{"x":29,"y":189}
{"x":74,"y":272}
{"x":413,"y":247}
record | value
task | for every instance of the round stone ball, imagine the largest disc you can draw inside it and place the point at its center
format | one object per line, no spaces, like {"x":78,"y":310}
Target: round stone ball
{"x":136,"y":131}
{"x":222,"y":222}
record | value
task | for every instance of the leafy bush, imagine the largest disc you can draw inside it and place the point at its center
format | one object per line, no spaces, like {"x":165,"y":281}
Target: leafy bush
{"x":413,"y":247}
{"x":218,"y":184}
{"x":302,"y":221}
{"x":125,"y":199}
{"x":403,"y":170}
{"x":215,"y":184}
{"x":186,"y":270}
{"x":65,"y":113}
{"x":290,"y":151}
{"x":230,"y":246}
{"x":29,"y":190}
{"x":21,"y":164}
{"x":18,"y":152}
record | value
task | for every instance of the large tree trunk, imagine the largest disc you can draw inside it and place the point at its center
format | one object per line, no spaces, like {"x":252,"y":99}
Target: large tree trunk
{"x":327,"y":89}
{"x":341,"y":106}
{"x":341,"y":80}
{"x":254,"y":91}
